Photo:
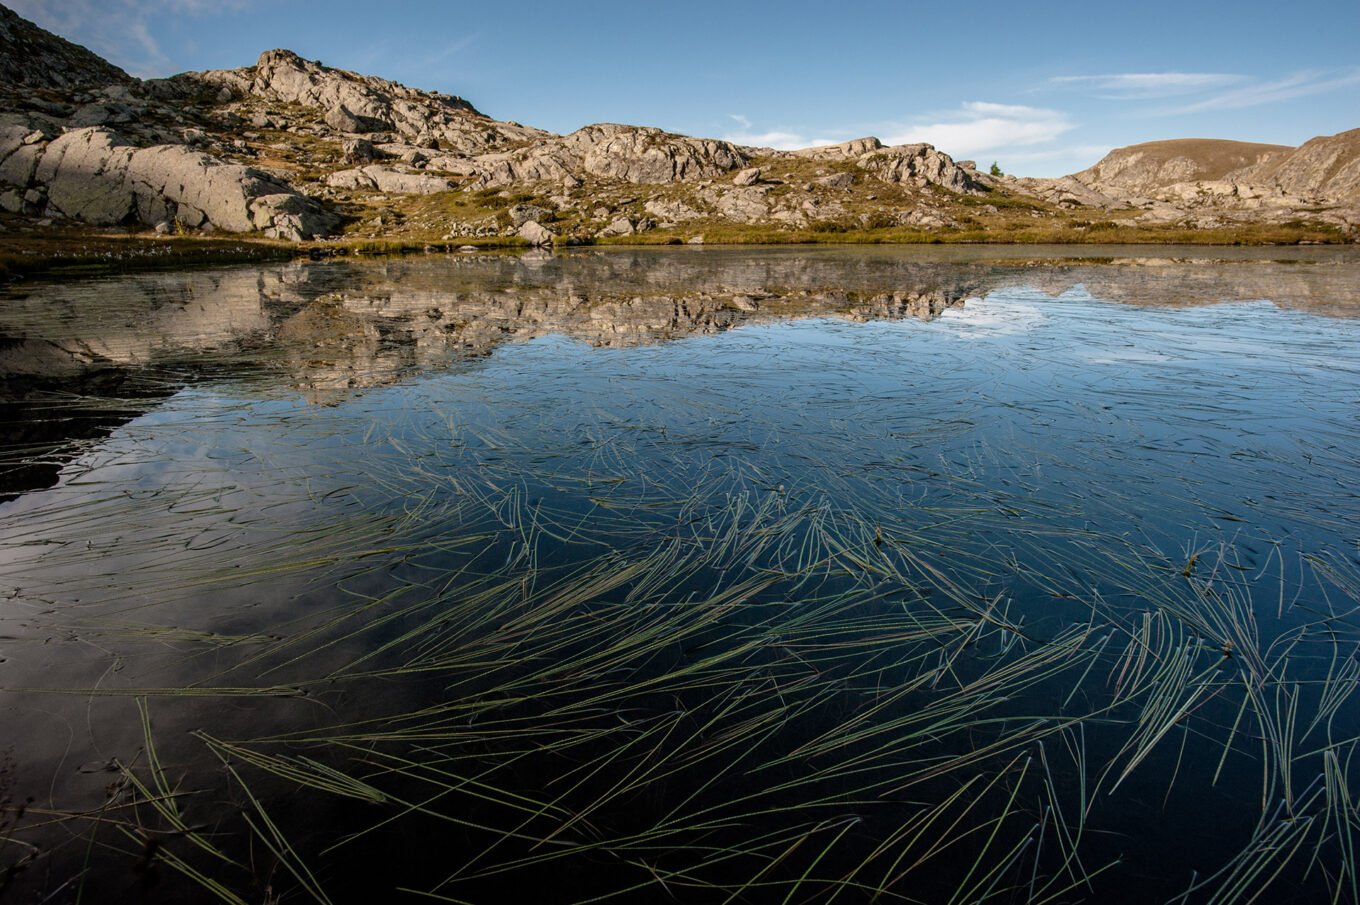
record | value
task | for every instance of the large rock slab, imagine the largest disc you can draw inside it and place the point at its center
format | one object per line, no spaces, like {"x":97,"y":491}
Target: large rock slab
{"x":21,"y":141}
{"x":291,"y":216}
{"x":92,"y":176}
{"x":85,"y":175}
{"x":536,"y":234}
{"x":846,"y":150}
{"x":1067,"y":191}
{"x":744,"y":205}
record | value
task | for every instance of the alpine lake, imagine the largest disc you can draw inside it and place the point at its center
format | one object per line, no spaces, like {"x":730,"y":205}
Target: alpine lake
{"x":942,"y":575}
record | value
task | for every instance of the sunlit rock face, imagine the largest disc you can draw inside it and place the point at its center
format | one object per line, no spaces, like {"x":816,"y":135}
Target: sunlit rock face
{"x":101,"y":148}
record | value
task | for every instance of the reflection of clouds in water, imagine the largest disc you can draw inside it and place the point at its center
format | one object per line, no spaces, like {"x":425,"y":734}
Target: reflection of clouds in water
{"x":1127,"y":356}
{"x":999,"y":314}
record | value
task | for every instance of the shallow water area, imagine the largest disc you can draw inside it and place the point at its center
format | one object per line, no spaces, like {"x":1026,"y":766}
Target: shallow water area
{"x":945,"y":575}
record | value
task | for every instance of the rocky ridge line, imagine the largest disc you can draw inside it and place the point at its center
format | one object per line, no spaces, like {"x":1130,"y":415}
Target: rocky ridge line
{"x":38,"y":59}
{"x":298,"y":150}
{"x":157,"y":153}
{"x":82,"y":140}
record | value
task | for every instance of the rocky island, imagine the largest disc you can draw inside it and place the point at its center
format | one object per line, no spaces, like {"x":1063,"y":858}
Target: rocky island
{"x":294,"y":151}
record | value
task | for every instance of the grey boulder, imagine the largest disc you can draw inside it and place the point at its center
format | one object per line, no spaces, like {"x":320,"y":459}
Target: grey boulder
{"x":90,"y":175}
{"x":536,"y":234}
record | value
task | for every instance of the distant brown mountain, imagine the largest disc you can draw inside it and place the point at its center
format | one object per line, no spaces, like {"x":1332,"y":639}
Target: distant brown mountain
{"x":1325,"y":168}
{"x":1207,"y":182}
{"x":1148,"y":167}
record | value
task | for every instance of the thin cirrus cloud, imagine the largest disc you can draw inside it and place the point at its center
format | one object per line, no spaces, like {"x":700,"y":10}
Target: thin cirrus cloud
{"x":1299,"y":84}
{"x":1219,"y":90}
{"x":980,"y":126}
{"x":1141,"y":85}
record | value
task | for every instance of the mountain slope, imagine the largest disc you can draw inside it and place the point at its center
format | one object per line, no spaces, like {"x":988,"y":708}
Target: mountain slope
{"x":1324,"y":167}
{"x":35,"y":58}
{"x":1213,"y":182}
{"x":1154,"y":165}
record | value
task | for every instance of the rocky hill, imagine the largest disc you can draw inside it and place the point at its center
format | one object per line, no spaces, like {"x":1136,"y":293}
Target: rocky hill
{"x":1146,"y":168}
{"x":1210,"y":182}
{"x":297,"y":150}
{"x":1325,"y":167}
{"x":82,"y":141}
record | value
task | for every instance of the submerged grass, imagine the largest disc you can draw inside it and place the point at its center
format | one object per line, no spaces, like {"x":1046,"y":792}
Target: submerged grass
{"x":666,"y":706}
{"x":490,"y":669}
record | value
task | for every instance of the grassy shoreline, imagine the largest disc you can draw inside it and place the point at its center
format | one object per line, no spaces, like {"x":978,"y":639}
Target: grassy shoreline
{"x":74,"y":253}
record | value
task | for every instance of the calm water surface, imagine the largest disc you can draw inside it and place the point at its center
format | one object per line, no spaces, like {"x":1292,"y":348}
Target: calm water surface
{"x":793,"y":576}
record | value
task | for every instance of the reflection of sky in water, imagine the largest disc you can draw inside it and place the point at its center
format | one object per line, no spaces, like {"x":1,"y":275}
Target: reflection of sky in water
{"x":1074,"y":410}
{"x":1161,"y":419}
{"x":1021,"y":434}
{"x":1015,"y":312}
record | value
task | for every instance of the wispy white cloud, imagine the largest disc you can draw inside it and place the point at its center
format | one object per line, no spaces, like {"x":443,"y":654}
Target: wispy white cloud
{"x":984,"y":127}
{"x":119,"y":30}
{"x":1143,"y":85}
{"x":1299,"y":84}
{"x":779,"y":139}
{"x":1067,"y":152}
{"x":1056,"y":161}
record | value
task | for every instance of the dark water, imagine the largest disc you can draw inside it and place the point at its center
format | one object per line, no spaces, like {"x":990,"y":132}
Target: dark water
{"x":793,"y":576}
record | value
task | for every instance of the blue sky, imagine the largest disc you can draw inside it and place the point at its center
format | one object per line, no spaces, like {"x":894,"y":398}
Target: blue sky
{"x":1044,"y":88}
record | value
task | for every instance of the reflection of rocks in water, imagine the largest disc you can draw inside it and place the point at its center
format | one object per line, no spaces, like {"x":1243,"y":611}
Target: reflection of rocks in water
{"x":335,"y":326}
{"x":475,"y":302}
{"x":138,"y":320}
{"x":79,"y":360}
{"x":326,"y":347}
{"x":476,"y":323}
{"x":465,"y":304}
{"x":1327,"y":289}
{"x":330,"y":328}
